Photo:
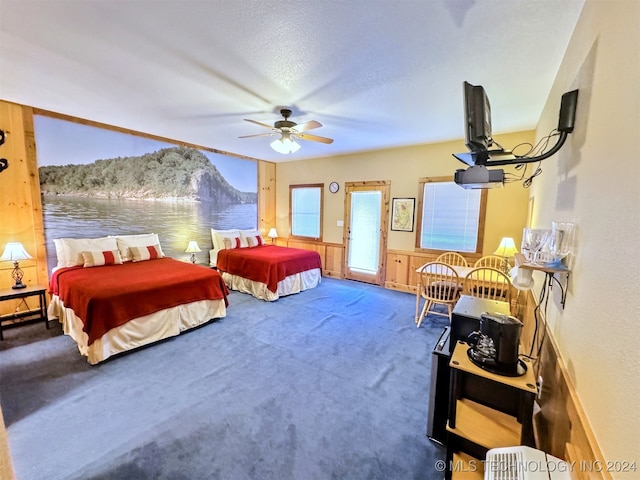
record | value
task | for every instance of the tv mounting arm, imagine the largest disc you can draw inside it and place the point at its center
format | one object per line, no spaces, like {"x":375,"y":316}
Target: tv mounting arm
{"x":490,"y":158}
{"x":501,"y":157}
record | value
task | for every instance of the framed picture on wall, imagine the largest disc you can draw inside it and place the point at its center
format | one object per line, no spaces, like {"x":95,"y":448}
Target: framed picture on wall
{"x":402,"y":214}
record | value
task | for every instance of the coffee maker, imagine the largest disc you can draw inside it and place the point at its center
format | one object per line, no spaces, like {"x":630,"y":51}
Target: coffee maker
{"x":495,"y":346}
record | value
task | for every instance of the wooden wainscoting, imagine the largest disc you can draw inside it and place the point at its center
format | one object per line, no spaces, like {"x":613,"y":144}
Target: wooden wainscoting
{"x":331,"y":254}
{"x":561,"y":426}
{"x":400,"y":269}
{"x":402,"y":265}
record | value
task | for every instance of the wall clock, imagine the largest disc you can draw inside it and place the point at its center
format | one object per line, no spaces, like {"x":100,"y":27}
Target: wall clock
{"x":334,"y":187}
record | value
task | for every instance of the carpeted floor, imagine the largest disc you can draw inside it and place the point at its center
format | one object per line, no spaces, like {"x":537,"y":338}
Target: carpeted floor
{"x":331,"y":383}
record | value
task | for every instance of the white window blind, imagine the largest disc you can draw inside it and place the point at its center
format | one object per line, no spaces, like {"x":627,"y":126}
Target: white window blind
{"x":450,"y":217}
{"x":305,"y":211}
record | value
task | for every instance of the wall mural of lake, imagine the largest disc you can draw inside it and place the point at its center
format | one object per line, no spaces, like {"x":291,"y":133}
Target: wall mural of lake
{"x":97,"y":182}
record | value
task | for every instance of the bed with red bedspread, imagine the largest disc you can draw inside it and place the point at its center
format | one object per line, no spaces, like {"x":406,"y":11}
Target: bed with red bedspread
{"x":269,"y":272}
{"x":114,"y":308}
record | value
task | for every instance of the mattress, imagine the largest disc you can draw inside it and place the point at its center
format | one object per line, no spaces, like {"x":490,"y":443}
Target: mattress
{"x":289,"y":285}
{"x":136,"y":332}
{"x":268,"y":271}
{"x":113,"y":308}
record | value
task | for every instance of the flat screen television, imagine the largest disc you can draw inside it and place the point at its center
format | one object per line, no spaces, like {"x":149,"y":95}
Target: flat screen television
{"x":477,"y":118}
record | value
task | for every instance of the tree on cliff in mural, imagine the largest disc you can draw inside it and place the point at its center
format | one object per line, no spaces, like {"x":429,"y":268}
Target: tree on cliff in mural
{"x":178,"y":172}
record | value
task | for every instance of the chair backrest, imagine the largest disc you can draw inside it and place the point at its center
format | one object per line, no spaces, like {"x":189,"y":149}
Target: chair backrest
{"x":491,"y":261}
{"x":486,"y":282}
{"x":439,"y":282}
{"x":452,"y":258}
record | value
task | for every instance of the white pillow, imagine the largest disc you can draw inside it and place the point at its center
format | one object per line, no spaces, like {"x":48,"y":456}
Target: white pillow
{"x":217,"y":237}
{"x":254,"y":234}
{"x":142,"y":240}
{"x":72,"y":248}
{"x":60,"y":252}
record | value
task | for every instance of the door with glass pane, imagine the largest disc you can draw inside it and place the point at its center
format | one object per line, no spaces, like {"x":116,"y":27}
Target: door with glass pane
{"x":367,"y":215}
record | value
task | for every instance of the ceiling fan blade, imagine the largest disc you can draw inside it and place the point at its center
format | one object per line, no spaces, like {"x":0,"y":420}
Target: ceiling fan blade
{"x":313,"y":138}
{"x":259,"y":123}
{"x":259,"y":135}
{"x":303,"y":127}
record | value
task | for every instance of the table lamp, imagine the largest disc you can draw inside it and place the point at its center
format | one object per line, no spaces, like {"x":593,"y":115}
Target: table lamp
{"x":273,"y":234}
{"x":193,"y":248}
{"x":506,"y":250}
{"x":14,"y":252}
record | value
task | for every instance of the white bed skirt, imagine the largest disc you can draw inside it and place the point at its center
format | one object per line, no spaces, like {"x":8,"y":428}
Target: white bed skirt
{"x":137,"y":332}
{"x":291,"y":284}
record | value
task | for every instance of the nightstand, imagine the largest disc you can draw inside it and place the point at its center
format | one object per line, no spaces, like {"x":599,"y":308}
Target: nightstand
{"x":22,"y":294}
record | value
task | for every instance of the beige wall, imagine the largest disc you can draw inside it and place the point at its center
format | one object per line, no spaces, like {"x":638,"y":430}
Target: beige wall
{"x":594,"y":181}
{"x":506,"y":208}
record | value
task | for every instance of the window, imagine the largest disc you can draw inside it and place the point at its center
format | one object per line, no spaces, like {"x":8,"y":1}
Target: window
{"x":306,"y":210}
{"x":451,"y":217}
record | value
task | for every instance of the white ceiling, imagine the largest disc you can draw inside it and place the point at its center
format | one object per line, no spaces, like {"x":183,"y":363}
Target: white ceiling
{"x":376,"y":74}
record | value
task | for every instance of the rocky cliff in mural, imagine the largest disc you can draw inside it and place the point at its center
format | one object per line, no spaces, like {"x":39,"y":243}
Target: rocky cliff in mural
{"x":177,"y":173}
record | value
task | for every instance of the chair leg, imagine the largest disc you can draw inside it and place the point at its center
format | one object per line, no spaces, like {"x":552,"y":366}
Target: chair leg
{"x":425,"y":309}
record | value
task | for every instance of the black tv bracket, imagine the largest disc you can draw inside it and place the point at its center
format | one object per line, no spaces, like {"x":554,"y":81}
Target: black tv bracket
{"x":566,"y":123}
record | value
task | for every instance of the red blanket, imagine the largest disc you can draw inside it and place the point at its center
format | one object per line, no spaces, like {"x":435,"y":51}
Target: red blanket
{"x":109,"y":296}
{"x":267,"y":264}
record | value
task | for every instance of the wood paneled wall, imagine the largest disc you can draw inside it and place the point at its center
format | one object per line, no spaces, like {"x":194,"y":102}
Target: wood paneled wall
{"x":266,"y":196}
{"x":402,"y":265}
{"x":20,"y":205}
{"x":331,"y":254}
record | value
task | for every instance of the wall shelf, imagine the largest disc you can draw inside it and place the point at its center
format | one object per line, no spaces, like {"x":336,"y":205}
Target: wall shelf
{"x":550,"y":273}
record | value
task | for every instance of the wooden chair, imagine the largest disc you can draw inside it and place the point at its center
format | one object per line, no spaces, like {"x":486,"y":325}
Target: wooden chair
{"x":439,"y":284}
{"x":452,"y":258}
{"x":489,"y":283}
{"x":492,"y":261}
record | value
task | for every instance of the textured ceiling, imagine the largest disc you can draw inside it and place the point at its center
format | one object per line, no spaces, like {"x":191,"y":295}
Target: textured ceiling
{"x":376,"y":74}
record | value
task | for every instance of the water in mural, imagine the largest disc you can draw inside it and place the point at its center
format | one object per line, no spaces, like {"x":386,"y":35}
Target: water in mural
{"x":176,"y":223}
{"x":97,"y":183}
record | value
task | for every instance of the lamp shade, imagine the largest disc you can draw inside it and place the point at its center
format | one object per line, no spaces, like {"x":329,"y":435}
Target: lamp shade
{"x":192,"y":247}
{"x":521,"y":278}
{"x":272,"y":233}
{"x":507,"y":248}
{"x":285,"y":144}
{"x":13,"y":252}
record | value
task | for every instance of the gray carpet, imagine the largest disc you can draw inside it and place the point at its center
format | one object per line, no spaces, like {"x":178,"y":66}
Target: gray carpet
{"x":331,"y":383}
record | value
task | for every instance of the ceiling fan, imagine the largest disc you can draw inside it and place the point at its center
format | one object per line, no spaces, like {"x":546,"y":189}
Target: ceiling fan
{"x":289,"y":132}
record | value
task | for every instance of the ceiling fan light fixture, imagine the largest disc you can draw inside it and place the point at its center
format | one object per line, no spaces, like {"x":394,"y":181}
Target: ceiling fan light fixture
{"x":285,"y":144}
